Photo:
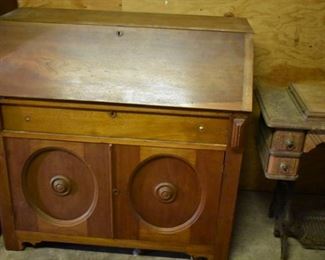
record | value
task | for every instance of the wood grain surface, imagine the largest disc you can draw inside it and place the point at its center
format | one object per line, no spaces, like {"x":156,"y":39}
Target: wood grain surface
{"x":132,"y":19}
{"x":196,"y":175}
{"x":289,"y":42}
{"x":143,"y":126}
{"x":126,"y":65}
{"x":112,"y":5}
{"x":85,"y":211}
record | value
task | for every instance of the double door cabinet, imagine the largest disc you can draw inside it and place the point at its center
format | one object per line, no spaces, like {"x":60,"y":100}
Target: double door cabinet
{"x":83,"y":189}
{"x":152,"y":165}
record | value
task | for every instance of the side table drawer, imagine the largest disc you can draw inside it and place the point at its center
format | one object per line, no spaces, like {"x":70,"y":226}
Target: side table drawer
{"x":276,"y":166}
{"x":282,"y":140}
{"x":282,"y":167}
{"x":116,"y":124}
{"x":287,"y":141}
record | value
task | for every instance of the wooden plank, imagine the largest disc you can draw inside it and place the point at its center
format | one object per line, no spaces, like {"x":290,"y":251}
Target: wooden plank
{"x":170,"y":21}
{"x":113,"y":108}
{"x":108,"y":5}
{"x":107,"y":140}
{"x":38,"y":236}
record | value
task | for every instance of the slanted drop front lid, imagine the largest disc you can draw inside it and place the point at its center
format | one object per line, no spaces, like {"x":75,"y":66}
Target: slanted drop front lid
{"x":130,"y":59}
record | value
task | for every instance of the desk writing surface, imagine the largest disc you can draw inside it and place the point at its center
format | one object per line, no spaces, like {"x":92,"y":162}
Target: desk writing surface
{"x":310,"y":98}
{"x":199,"y":69}
{"x":280,"y":109}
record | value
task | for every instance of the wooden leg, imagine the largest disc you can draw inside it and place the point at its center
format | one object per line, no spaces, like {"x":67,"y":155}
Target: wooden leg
{"x":283,"y":214}
{"x":13,"y":245}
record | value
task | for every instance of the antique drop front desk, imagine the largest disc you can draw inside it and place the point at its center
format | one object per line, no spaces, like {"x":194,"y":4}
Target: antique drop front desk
{"x":122,"y":129}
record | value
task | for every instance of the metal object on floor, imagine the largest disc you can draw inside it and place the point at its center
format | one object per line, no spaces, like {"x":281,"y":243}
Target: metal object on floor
{"x":309,"y":229}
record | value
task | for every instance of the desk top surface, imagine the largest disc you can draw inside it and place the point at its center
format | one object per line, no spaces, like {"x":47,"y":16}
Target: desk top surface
{"x":185,"y":62}
{"x":299,"y":106}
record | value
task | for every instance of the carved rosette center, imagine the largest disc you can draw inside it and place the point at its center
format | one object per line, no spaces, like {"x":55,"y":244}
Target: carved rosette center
{"x":165,"y":192}
{"x":61,"y":185}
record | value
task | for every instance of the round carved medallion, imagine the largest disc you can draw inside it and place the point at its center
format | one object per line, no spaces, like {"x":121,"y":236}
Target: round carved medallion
{"x":59,"y":186}
{"x":165,"y":192}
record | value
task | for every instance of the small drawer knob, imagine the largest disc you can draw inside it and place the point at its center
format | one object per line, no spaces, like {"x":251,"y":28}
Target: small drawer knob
{"x":201,"y":128}
{"x":284,"y":167}
{"x":290,"y":144}
{"x":61,"y":185}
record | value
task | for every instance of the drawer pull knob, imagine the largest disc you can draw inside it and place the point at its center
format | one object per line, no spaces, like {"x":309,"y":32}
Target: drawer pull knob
{"x":61,"y":185}
{"x":290,"y":144}
{"x":201,"y":128}
{"x":113,"y":114}
{"x":166,"y":192}
{"x":284,"y":167}
{"x":27,"y":118}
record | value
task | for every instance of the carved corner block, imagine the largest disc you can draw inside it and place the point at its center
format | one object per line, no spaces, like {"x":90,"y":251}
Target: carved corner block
{"x":237,"y":133}
{"x":312,"y":140}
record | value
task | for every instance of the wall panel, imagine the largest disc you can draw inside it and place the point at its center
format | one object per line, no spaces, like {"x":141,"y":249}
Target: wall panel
{"x":114,"y":5}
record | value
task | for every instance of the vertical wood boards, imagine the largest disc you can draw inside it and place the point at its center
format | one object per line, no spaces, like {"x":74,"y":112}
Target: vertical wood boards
{"x":112,"y":5}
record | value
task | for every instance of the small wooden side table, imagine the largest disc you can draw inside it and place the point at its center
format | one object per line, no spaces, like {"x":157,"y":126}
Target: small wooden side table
{"x":292,"y":123}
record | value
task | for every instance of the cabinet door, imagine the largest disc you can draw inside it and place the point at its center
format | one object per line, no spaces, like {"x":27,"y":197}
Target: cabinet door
{"x":166,"y":195}
{"x":60,"y":187}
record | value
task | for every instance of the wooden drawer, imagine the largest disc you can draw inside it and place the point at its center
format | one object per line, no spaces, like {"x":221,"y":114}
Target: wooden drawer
{"x":282,"y":167}
{"x":290,"y":141}
{"x":116,"y":124}
{"x":276,"y":167}
{"x":281,"y":140}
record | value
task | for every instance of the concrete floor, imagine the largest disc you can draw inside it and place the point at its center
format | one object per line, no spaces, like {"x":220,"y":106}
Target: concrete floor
{"x":253,"y":239}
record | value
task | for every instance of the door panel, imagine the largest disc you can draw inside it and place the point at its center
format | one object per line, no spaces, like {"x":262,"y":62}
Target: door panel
{"x":60,"y":187}
{"x":167,"y":194}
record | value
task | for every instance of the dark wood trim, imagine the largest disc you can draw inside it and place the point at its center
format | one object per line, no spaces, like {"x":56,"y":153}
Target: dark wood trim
{"x":227,"y":203}
{"x":229,"y":190}
{"x":7,"y":5}
{"x":7,"y":213}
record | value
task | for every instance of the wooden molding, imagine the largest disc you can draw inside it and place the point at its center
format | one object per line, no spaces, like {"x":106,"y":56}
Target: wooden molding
{"x":7,"y":5}
{"x":237,"y":130}
{"x":313,"y":139}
